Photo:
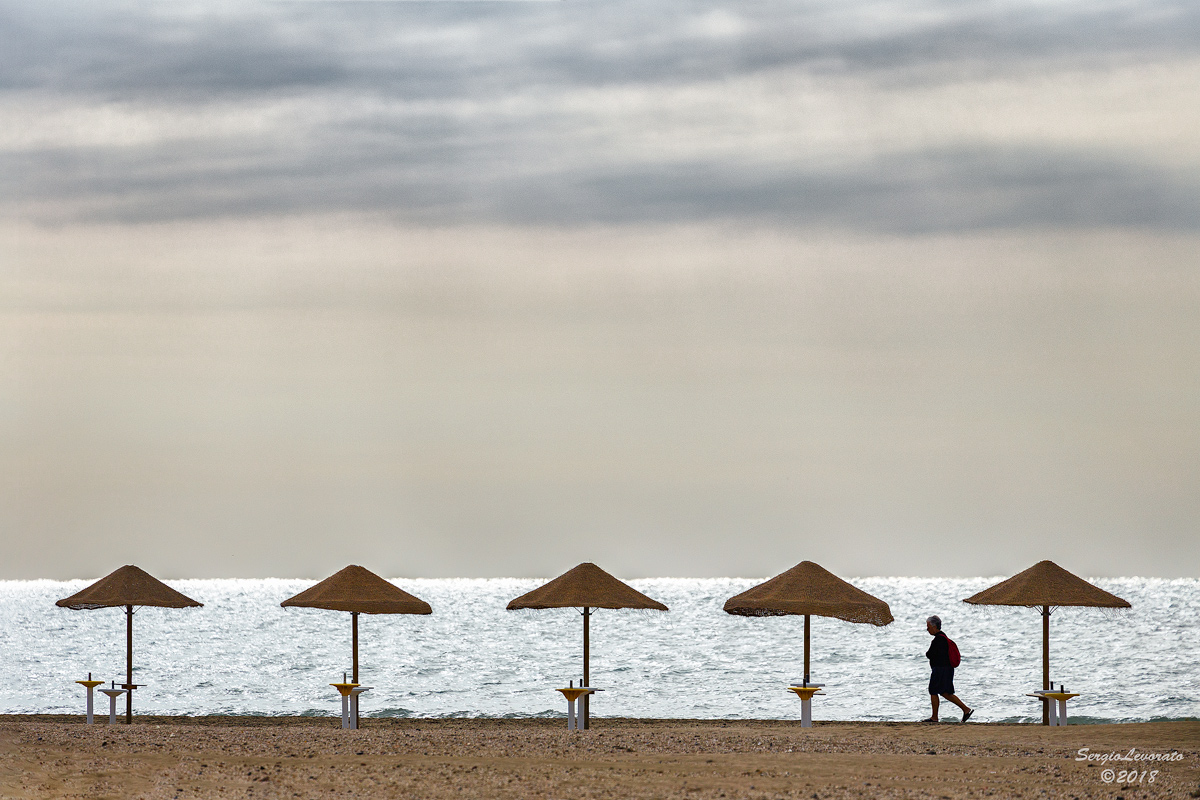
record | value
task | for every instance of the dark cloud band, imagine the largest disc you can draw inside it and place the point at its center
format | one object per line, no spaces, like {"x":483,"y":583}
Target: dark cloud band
{"x":440,"y":147}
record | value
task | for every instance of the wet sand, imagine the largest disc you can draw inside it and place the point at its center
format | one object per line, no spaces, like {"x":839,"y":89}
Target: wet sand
{"x":296,"y":757}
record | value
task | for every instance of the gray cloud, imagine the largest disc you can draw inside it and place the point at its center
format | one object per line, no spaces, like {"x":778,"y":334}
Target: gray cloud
{"x":419,"y":156}
{"x":444,"y":49}
{"x":910,"y":192}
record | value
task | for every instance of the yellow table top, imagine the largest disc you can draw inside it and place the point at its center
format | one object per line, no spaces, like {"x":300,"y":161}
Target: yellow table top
{"x":1059,"y":695}
{"x":344,"y":688}
{"x":801,"y":691}
{"x":90,"y":684}
{"x":573,"y":693}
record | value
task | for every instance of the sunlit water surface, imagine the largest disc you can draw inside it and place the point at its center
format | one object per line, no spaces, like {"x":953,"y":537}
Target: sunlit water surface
{"x":243,"y":654}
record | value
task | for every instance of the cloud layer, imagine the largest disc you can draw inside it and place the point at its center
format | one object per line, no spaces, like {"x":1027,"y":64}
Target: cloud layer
{"x":574,"y":113}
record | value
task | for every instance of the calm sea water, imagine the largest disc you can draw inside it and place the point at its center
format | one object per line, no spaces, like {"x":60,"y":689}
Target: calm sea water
{"x":243,"y":654}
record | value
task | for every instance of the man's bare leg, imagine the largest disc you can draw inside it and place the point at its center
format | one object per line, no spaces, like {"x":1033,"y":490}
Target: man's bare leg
{"x":953,"y":698}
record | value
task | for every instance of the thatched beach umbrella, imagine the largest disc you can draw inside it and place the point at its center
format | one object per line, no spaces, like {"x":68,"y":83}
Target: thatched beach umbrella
{"x":1046,"y":586}
{"x":359,"y":591}
{"x":128,"y":586}
{"x":587,"y":587}
{"x":809,"y":589}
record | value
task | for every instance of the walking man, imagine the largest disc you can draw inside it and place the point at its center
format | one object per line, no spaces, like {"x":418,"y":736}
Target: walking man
{"x":941,"y":682}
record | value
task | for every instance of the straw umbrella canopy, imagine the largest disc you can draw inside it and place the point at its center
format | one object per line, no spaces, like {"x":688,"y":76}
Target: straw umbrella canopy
{"x":359,"y":591}
{"x":587,"y":587}
{"x":1046,"y":586}
{"x":128,"y":586}
{"x":809,"y":590}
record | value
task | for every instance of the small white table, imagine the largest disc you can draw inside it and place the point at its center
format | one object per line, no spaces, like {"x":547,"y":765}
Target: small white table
{"x":805,"y":693}
{"x":89,"y":684}
{"x":113,"y":694}
{"x":354,"y":693}
{"x":345,"y":688}
{"x":573,"y":693}
{"x":1053,"y":699}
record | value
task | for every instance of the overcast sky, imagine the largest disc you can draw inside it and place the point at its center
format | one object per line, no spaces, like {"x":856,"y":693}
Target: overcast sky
{"x":682,"y":288}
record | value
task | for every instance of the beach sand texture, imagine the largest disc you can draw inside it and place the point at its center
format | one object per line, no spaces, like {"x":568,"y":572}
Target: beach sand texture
{"x":297,"y":757}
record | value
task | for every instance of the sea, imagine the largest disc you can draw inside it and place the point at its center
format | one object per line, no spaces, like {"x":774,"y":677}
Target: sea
{"x":242,"y":654}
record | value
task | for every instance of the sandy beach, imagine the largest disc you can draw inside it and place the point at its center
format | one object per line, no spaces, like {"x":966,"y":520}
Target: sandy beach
{"x":232,"y":757}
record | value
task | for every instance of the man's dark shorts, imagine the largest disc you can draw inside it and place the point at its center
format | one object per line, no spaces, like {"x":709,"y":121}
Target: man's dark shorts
{"x":942,"y":680}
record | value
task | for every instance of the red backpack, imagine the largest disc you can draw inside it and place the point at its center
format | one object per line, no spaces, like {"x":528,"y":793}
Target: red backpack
{"x":955,"y":656}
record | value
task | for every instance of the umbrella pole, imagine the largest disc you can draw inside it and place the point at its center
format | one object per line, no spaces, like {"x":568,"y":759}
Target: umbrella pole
{"x":587,"y":615}
{"x":129,"y":664}
{"x":354,"y":637}
{"x":1046,"y":662}
{"x":806,"y":626}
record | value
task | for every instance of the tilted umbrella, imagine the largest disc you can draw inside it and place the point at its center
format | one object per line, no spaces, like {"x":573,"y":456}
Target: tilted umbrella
{"x":359,"y":591}
{"x":128,"y":586}
{"x":587,"y":587}
{"x":1046,"y":586}
{"x":809,"y":589}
